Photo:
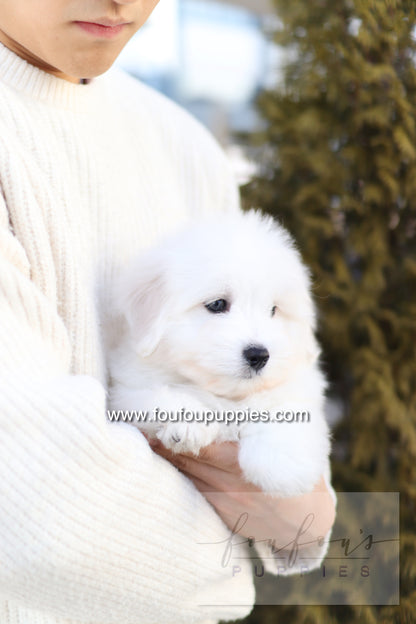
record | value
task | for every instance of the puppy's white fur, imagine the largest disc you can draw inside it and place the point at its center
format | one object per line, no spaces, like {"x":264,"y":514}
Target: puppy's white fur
{"x":174,"y":353}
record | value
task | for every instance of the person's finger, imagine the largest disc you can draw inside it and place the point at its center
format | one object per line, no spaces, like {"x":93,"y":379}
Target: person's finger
{"x":223,"y":455}
{"x":201,"y":485}
{"x":193,"y":467}
{"x":215,"y":478}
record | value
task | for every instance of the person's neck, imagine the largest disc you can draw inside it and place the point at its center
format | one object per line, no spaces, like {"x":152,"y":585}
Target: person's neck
{"x":26,"y":55}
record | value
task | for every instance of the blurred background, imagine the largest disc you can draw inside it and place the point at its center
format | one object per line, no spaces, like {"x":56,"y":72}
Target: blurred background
{"x":212,"y":57}
{"x":315,"y":103}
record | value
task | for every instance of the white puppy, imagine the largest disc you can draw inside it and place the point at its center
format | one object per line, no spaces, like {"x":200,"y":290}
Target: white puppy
{"x":219,"y":317}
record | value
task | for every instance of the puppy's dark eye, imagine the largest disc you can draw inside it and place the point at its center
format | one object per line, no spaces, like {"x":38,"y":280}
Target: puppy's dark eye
{"x":274,"y":310}
{"x":218,"y":306}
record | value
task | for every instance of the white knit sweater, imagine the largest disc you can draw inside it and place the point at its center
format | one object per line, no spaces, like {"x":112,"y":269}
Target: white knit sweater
{"x":94,"y":527}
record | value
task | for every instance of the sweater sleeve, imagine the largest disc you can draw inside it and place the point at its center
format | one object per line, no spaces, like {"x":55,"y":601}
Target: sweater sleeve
{"x":93,"y":525}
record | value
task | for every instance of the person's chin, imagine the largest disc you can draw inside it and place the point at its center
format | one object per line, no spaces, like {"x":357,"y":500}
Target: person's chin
{"x":94,"y":64}
{"x":90,"y":71}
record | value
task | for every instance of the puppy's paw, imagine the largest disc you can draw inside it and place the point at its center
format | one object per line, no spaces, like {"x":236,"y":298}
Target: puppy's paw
{"x":182,"y":437}
{"x":276,"y":472}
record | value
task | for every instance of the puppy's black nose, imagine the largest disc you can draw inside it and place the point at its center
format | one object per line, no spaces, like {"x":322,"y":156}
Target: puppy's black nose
{"x":256,"y":357}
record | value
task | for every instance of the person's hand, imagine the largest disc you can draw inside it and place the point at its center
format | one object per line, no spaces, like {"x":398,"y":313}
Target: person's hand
{"x":217,"y":474}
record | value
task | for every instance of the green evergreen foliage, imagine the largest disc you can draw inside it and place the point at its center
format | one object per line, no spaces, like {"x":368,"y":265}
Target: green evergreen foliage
{"x":337,"y":166}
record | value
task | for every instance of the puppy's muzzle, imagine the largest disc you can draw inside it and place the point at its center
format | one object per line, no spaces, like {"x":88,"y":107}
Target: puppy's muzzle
{"x":256,"y":357}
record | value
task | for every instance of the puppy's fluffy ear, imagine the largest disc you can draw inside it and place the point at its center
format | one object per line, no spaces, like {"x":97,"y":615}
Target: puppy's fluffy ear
{"x":142,"y":303}
{"x":311,"y":345}
{"x":298,"y":304}
{"x":309,"y":322}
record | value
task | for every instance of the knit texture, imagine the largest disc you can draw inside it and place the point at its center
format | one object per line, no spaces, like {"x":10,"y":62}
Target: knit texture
{"x":94,"y":527}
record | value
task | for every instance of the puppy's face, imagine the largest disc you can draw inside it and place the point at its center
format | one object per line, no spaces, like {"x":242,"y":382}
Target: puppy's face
{"x":224,"y":305}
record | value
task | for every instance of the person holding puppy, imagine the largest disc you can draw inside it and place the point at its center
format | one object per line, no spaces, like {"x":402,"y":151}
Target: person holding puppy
{"x":95,"y":526}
